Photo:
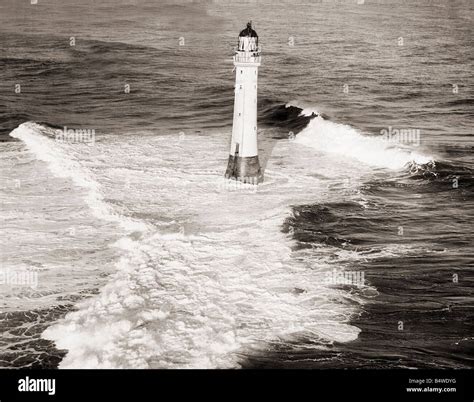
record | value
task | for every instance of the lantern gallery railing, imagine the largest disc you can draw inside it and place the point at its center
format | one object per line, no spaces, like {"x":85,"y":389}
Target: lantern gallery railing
{"x":247,"y":57}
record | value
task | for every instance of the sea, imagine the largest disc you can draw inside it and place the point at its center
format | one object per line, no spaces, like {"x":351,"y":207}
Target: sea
{"x":123,"y":245}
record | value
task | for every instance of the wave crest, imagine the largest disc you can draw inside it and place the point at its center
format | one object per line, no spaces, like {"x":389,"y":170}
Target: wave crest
{"x":39,"y":139}
{"x":346,"y":141}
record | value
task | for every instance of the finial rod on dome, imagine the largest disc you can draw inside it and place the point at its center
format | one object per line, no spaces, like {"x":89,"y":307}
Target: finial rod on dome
{"x":249,"y":31}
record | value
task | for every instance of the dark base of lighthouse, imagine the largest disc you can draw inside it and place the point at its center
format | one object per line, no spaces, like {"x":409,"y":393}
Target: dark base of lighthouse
{"x":246,"y":170}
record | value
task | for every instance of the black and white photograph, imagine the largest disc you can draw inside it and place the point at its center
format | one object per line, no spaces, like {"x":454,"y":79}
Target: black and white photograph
{"x":242,"y":188}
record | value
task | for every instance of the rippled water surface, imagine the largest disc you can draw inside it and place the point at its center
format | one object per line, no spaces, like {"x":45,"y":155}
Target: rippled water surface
{"x":146,"y":257}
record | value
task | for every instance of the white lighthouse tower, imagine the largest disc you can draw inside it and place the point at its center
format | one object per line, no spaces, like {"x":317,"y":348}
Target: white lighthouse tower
{"x":243,"y":159}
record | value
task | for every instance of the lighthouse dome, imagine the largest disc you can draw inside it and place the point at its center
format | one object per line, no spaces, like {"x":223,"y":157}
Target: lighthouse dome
{"x":248,"y":31}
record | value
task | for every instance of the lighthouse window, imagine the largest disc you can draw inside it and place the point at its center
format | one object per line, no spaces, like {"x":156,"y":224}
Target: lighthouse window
{"x":241,"y":87}
{"x":241,"y":71}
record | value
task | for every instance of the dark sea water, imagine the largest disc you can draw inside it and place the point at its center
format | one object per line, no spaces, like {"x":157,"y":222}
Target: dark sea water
{"x":146,"y":257}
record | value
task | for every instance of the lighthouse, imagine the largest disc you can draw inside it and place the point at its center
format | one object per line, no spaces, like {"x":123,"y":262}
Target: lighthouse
{"x":243,"y":162}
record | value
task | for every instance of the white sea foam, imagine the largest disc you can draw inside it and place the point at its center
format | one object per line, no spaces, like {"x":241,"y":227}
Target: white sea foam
{"x":327,"y":136}
{"x":201,"y":302}
{"x":223,"y":284}
{"x":40,"y":140}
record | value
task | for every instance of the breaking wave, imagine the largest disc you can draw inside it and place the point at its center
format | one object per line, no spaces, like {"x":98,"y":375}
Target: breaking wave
{"x":341,"y":139}
{"x":38,"y":139}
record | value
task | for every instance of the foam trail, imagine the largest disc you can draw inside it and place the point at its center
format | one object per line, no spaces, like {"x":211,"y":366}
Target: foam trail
{"x":200,"y":302}
{"x":207,"y":298}
{"x":231,"y":287}
{"x":37,"y":139}
{"x":330,"y":137}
